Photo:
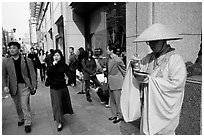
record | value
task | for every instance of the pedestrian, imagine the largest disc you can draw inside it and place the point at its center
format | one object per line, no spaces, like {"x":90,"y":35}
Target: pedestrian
{"x":72,"y":66}
{"x":80,"y":57}
{"x":34,"y":57}
{"x":19,"y":85}
{"x":116,"y":74}
{"x":59,"y":93}
{"x":49,"y":59}
{"x":42,"y":63}
{"x":89,"y":71}
{"x":161,"y":89}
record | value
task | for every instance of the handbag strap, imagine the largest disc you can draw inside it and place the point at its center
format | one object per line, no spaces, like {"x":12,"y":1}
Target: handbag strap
{"x":27,"y":69}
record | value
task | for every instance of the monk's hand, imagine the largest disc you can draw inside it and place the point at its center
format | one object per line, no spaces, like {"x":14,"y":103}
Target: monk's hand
{"x":141,"y":77}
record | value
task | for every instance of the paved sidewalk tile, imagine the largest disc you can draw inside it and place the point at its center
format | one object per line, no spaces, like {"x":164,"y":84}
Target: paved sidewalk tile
{"x":88,"y":118}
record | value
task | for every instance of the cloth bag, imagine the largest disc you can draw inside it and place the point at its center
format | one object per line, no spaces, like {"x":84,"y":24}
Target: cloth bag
{"x":130,"y":97}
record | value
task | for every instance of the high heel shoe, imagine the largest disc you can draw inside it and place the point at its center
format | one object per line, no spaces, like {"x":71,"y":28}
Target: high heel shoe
{"x":59,"y":127}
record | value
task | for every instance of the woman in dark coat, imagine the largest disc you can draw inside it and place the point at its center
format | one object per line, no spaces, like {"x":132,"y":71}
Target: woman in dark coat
{"x":80,"y":57}
{"x":89,"y":71}
{"x":60,"y":98}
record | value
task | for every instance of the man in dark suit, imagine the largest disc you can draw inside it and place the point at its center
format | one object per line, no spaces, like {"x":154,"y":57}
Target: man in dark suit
{"x":72,"y":66}
{"x":16,"y":82}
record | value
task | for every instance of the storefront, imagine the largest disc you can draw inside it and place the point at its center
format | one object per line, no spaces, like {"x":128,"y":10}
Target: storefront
{"x":105,"y":24}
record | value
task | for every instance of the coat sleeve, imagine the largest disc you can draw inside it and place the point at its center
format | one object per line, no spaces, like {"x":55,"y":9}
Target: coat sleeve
{"x":32,"y":73}
{"x":121,"y":67}
{"x":4,"y":74}
{"x":50,"y":70}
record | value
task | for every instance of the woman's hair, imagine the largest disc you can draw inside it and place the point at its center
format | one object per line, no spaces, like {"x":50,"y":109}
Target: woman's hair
{"x":112,"y":47}
{"x":87,"y":53}
{"x":40,"y":52}
{"x":62,"y":60}
{"x":81,"y":50}
{"x":81,"y":53}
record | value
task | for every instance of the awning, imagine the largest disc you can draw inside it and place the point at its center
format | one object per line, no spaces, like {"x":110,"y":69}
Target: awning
{"x":86,"y":7}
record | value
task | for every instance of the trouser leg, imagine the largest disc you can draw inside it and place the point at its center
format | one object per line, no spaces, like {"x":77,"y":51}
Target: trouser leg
{"x":44,"y":67}
{"x":87,"y":89}
{"x":112,"y":104}
{"x":17,"y":102}
{"x":117,"y":95}
{"x":83,"y":85}
{"x":41,"y":73}
{"x":25,"y":103}
{"x":22,"y":103}
{"x":73,"y":79}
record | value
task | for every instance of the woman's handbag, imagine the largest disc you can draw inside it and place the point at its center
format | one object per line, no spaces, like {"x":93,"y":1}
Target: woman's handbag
{"x":47,"y":82}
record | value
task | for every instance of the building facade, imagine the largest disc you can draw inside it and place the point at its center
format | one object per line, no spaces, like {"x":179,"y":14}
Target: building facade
{"x":98,"y":24}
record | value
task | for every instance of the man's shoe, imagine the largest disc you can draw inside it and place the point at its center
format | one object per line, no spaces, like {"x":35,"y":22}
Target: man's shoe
{"x":28,"y":129}
{"x":117,"y":120}
{"x":107,"y":106}
{"x":112,"y":118}
{"x":21,"y":123}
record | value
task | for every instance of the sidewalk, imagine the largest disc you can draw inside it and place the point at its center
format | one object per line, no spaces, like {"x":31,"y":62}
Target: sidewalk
{"x":88,"y":118}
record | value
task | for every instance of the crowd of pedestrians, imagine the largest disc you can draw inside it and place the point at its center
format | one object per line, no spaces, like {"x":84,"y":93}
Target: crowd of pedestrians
{"x":153,"y":92}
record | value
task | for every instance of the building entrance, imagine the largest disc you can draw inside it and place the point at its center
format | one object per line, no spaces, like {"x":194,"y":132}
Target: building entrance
{"x":116,"y":26}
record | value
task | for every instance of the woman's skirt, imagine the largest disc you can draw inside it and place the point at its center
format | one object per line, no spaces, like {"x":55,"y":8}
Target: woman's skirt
{"x":61,"y":103}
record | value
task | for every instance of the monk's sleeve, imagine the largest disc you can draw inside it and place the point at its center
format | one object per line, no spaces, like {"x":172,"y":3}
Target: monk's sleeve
{"x":164,"y":97}
{"x":176,"y":77}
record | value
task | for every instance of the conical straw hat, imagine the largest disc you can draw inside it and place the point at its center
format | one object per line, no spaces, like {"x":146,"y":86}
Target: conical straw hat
{"x":157,"y":31}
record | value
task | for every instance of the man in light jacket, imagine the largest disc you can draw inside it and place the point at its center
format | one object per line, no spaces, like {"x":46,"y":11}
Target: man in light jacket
{"x":116,"y":74}
{"x":16,"y":82}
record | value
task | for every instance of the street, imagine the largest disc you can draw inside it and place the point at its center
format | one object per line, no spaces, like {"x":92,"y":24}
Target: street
{"x":88,"y":118}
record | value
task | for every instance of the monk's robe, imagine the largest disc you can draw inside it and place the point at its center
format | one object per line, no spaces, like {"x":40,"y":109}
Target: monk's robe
{"x":162,"y":94}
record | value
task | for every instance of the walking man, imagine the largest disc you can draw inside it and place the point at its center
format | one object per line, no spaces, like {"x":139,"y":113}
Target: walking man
{"x":34,"y":57}
{"x":16,"y":82}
